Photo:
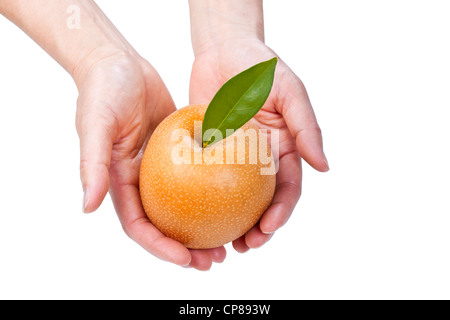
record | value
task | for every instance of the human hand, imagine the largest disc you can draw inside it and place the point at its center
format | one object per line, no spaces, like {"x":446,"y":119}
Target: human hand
{"x":287,"y":109}
{"x":121,"y":101}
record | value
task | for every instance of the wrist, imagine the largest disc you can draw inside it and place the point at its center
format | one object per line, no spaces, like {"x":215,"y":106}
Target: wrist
{"x":80,"y":66}
{"x":214,"y":22}
{"x":95,"y":41}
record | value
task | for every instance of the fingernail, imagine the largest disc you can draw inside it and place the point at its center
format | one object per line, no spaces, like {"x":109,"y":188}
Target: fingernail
{"x":86,"y":198}
{"x":326,"y":162}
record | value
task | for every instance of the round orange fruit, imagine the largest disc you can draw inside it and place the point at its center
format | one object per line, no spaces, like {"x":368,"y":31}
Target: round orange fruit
{"x":204,"y":197}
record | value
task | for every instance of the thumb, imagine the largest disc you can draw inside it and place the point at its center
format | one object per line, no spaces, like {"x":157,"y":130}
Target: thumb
{"x":95,"y":152}
{"x":302,"y":123}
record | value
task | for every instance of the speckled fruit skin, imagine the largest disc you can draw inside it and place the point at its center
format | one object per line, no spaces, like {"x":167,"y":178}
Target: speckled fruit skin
{"x":200,"y":205}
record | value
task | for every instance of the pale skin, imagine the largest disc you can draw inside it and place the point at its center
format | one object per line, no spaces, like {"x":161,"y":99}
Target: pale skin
{"x":122,"y":99}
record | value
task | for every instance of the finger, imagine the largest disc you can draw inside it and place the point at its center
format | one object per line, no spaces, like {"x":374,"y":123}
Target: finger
{"x":217,"y":255}
{"x":286,"y":195}
{"x":240,"y":245}
{"x":255,"y":238}
{"x":300,"y":118}
{"x":96,"y":144}
{"x":136,"y":225}
{"x":201,"y":260}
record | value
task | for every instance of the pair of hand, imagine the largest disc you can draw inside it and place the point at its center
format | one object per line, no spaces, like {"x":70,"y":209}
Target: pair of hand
{"x":123,"y":99}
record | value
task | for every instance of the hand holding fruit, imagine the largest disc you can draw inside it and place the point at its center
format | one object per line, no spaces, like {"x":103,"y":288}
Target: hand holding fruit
{"x":228,"y":49}
{"x":122,"y":100}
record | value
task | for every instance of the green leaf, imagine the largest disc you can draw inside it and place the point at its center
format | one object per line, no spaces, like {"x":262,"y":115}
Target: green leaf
{"x":237,"y":101}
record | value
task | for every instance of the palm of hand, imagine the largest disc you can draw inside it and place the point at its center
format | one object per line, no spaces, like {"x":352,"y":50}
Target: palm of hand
{"x":287,"y":109}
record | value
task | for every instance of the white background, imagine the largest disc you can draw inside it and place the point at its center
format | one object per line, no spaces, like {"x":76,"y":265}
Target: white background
{"x":376,"y":226}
